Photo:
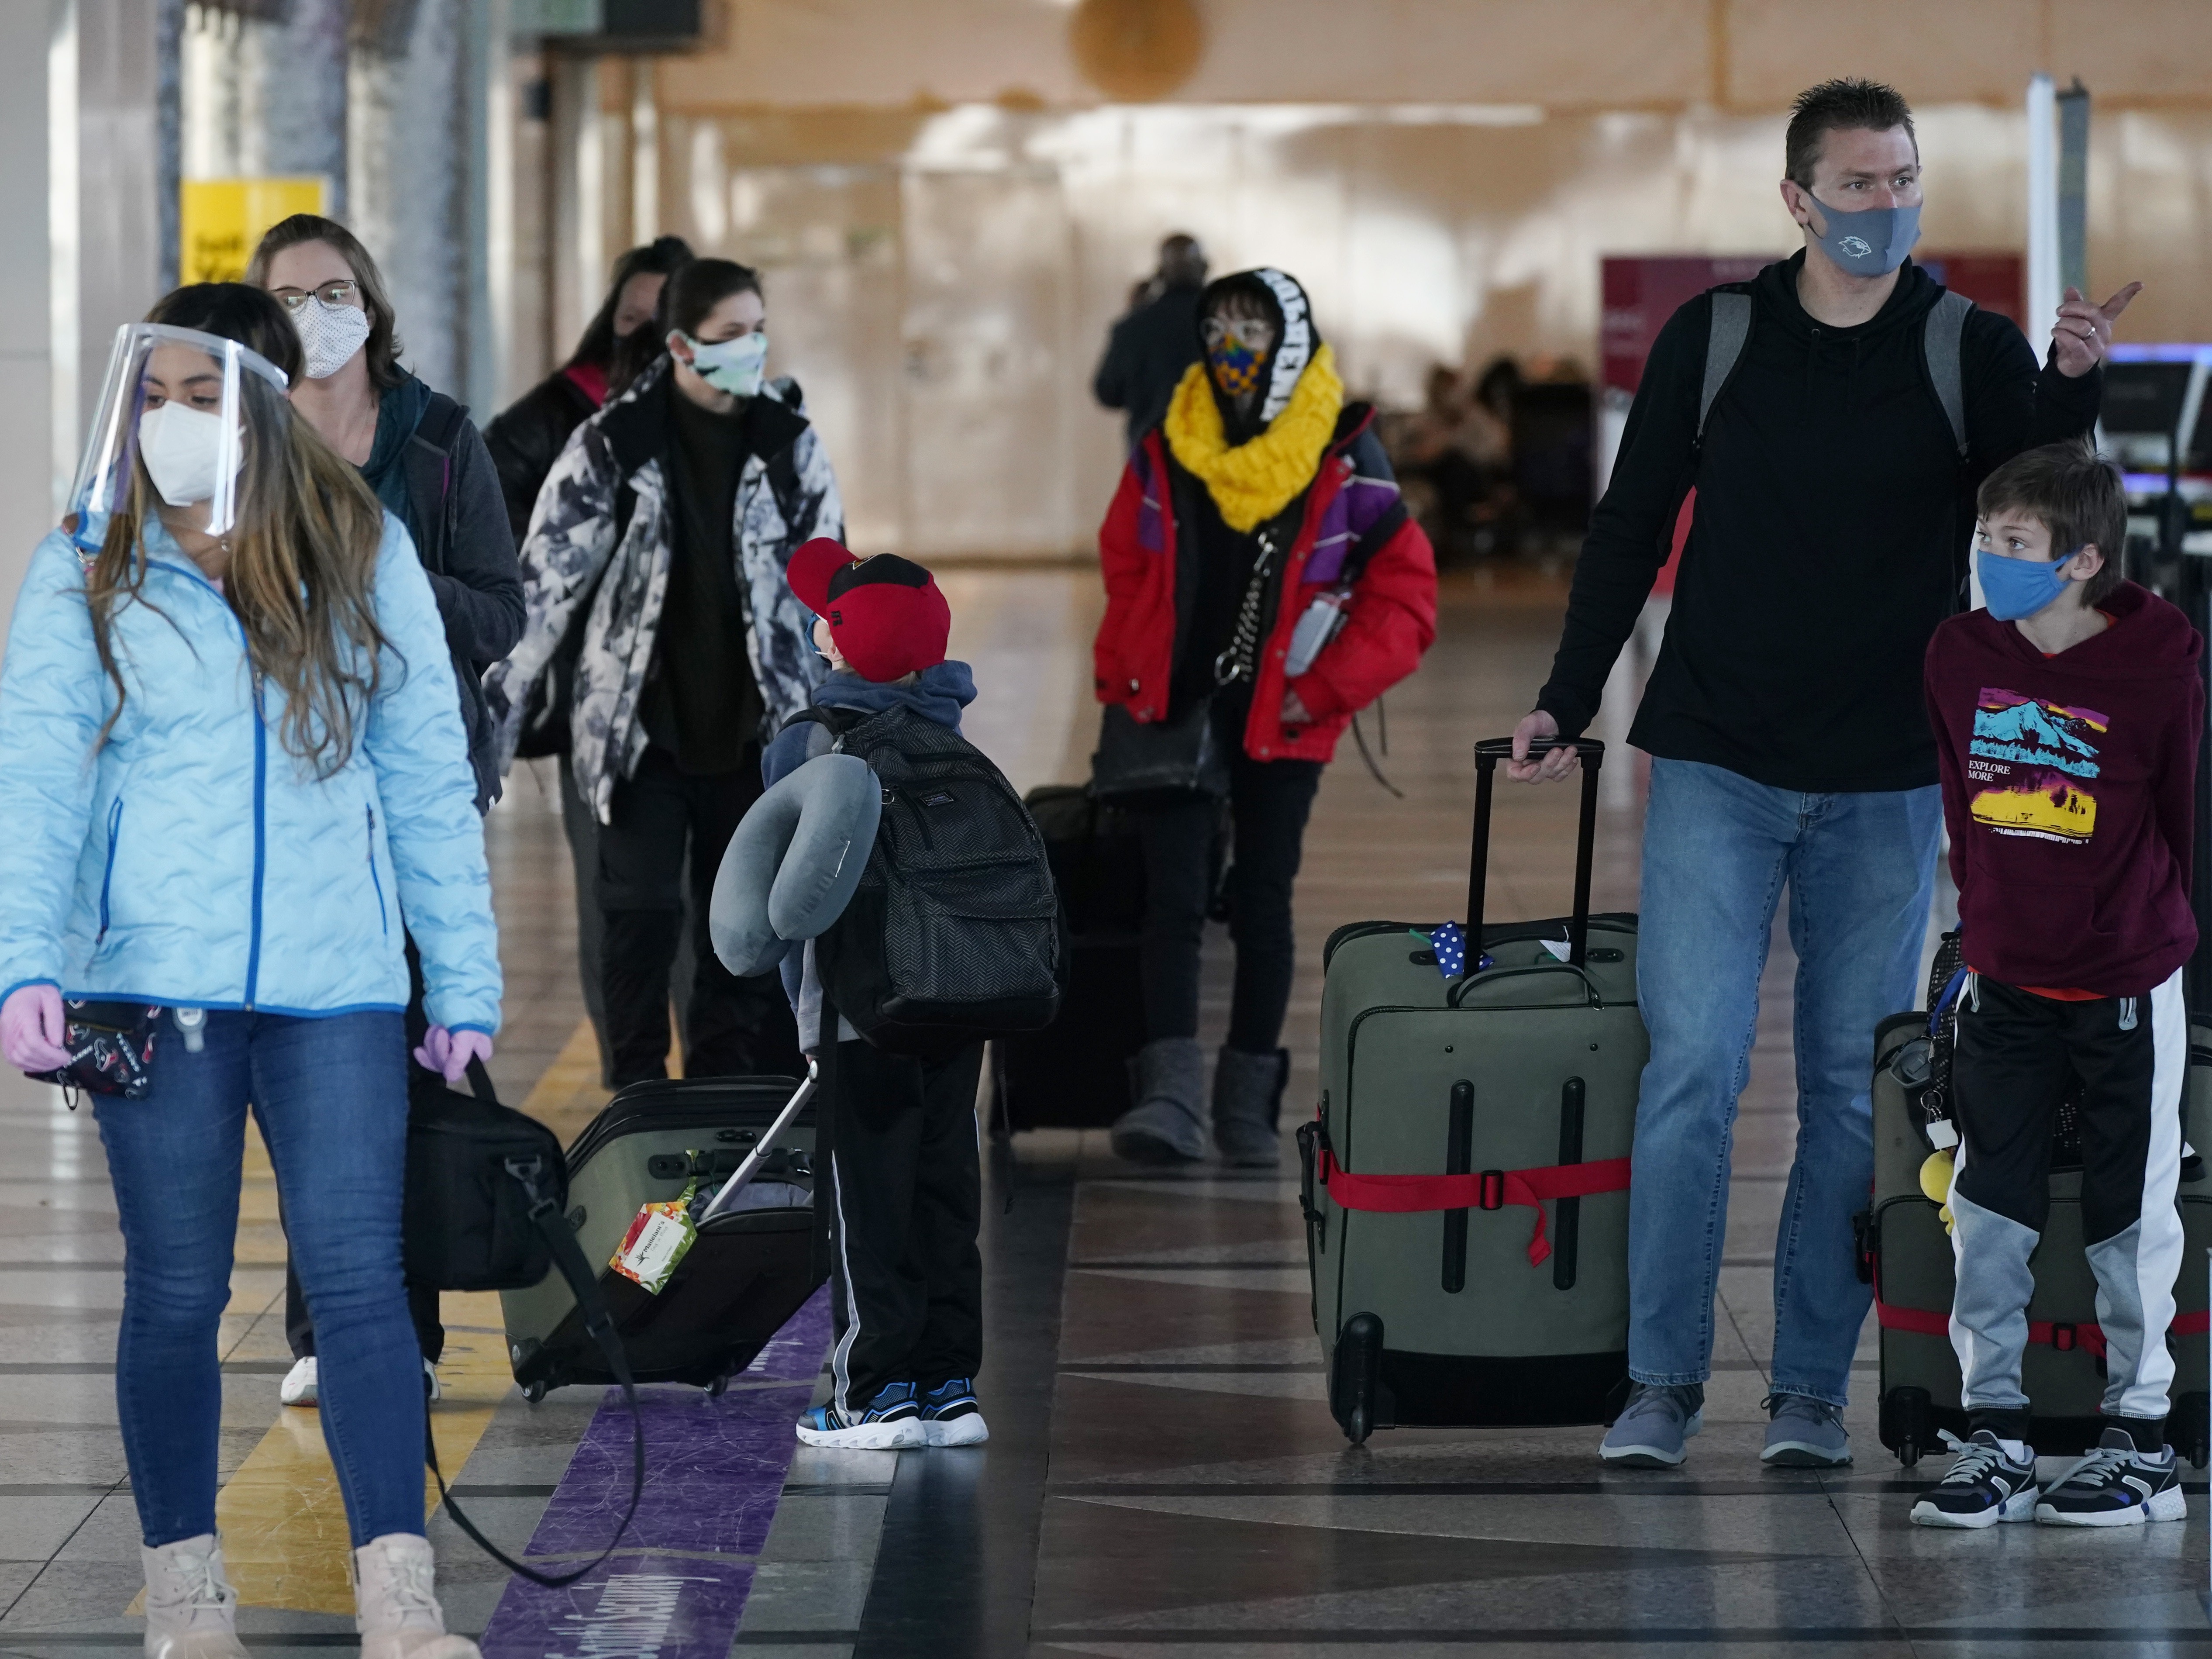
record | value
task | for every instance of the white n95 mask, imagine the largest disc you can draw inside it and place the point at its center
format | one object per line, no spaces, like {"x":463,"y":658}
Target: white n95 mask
{"x":329,"y":335}
{"x":183,"y":449}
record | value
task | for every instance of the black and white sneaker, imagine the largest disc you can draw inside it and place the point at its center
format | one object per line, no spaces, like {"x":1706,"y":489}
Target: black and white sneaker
{"x":2116,"y":1485}
{"x":1984,"y":1488}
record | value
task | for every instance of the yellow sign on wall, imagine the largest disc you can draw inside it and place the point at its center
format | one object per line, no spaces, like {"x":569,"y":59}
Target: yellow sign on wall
{"x":224,"y":218}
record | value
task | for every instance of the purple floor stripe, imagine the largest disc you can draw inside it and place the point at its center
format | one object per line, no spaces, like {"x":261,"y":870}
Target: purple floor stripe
{"x":714,"y":1471}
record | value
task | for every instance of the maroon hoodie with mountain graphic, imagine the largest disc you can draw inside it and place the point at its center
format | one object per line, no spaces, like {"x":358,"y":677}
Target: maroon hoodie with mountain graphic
{"x":2069,"y":787}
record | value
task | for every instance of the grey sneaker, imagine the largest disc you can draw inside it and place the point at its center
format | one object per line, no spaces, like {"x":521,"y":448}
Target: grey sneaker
{"x":1167,"y":1079}
{"x":1805,"y":1434}
{"x":1649,"y":1432}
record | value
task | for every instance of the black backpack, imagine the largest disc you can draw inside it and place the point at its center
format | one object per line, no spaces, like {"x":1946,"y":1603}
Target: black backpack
{"x":954,"y":934}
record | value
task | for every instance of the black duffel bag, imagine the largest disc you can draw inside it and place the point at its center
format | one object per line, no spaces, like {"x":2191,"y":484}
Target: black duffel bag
{"x":486,"y":1210}
{"x":467,"y":1225}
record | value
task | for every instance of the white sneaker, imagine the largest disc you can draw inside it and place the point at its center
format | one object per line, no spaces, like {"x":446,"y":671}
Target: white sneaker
{"x":192,"y":1611}
{"x":299,"y":1387}
{"x":395,"y":1602}
{"x":430,"y":1385}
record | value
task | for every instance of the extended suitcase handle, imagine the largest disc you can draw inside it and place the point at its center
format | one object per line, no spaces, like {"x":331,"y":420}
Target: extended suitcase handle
{"x":1487,"y":754}
{"x":725,"y":1199}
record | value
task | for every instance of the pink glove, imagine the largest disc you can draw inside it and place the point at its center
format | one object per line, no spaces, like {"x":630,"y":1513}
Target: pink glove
{"x":444,"y":1051}
{"x":32,"y":1029}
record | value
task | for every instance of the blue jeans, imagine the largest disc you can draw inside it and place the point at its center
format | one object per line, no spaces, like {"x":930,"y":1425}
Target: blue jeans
{"x":1860,"y":870}
{"x":331,"y":1098}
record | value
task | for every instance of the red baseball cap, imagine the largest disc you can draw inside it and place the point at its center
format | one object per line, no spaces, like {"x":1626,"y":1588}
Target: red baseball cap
{"x":886,"y":613}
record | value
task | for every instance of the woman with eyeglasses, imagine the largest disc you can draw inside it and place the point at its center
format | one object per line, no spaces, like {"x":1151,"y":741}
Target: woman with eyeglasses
{"x":1262,"y":581}
{"x":418,"y":452}
{"x":232,"y":756}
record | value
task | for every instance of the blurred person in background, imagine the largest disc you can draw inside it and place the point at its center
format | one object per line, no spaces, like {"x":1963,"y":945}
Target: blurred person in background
{"x":420,"y":453}
{"x":525,"y":442}
{"x":530,"y":435}
{"x":1455,"y":446}
{"x":1150,"y":349}
{"x":1259,"y":502}
{"x":667,"y":523}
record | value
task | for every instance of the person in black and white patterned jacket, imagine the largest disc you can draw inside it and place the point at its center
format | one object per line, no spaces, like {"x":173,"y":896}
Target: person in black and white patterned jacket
{"x":661,"y":631}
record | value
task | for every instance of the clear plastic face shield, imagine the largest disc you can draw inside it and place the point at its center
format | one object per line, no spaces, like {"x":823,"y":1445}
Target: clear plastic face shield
{"x":180,"y":414}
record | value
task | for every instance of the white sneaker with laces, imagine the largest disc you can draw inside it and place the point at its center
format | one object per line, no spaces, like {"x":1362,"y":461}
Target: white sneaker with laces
{"x":299,"y":1387}
{"x":395,"y":1596}
{"x":192,"y":1611}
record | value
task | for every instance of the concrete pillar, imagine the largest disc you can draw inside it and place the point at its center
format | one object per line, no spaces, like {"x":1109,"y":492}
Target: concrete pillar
{"x":27,"y":446}
{"x":409,"y":131}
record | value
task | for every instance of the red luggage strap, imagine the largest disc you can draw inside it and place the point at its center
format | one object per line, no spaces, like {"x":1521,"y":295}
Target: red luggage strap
{"x":1482,"y":1189}
{"x":2052,"y":1334}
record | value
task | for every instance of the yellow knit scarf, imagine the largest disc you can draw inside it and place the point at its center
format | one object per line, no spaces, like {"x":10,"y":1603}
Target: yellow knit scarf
{"x":1253,"y":481}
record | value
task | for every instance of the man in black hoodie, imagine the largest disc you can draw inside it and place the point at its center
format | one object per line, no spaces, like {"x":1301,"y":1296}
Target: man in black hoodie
{"x":1784,"y":720}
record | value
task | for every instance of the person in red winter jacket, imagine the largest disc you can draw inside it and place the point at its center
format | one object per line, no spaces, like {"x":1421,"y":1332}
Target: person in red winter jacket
{"x":1259,"y":566}
{"x":2067,"y":716}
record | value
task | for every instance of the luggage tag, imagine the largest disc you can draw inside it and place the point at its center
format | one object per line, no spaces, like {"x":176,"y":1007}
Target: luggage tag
{"x":657,"y":1240}
{"x":1447,"y":943}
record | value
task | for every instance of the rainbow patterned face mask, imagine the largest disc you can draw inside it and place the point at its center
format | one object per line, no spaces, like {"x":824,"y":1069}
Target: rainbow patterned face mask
{"x":1234,"y":365}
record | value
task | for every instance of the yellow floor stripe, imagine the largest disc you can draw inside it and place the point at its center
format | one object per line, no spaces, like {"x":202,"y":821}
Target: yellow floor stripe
{"x":283,"y":1522}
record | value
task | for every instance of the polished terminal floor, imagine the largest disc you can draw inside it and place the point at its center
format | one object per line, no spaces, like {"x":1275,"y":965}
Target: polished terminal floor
{"x":1163,"y":1476}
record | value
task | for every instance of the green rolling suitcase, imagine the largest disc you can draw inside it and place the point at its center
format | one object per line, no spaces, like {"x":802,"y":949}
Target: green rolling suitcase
{"x":1465,"y":1182}
{"x":1907,"y":1255}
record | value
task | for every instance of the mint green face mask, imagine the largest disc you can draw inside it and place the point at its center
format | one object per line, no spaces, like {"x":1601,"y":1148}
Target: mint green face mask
{"x":737,"y":367}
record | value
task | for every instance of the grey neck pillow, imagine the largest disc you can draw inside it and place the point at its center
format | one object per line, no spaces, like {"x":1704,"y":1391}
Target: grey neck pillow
{"x":793,"y":866}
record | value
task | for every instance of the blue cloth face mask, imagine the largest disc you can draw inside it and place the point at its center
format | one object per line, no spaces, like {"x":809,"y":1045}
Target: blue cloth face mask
{"x":2013,"y":588}
{"x":1871,"y":242}
{"x":737,"y":367}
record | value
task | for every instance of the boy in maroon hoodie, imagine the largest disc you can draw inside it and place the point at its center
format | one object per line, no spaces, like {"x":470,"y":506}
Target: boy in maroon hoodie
{"x":2066,"y":717}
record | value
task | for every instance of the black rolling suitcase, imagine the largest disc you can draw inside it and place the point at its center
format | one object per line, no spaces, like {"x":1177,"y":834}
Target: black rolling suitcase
{"x":1074,"y":1075}
{"x":745,"y":1275}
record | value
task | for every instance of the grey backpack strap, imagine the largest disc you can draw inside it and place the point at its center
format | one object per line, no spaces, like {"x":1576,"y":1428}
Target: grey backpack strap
{"x":1731,"y":327}
{"x":1940,"y":336}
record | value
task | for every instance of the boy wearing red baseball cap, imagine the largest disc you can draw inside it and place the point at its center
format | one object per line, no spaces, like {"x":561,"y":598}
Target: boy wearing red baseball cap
{"x":902,"y":1190}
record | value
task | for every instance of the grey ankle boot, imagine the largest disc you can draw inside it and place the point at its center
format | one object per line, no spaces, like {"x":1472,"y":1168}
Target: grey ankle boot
{"x":1248,"y":1099}
{"x":1167,"y":1079}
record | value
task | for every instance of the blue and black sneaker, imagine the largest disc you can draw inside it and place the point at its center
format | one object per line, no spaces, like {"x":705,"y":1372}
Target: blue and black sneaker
{"x":949,"y":1415}
{"x":891,"y":1420}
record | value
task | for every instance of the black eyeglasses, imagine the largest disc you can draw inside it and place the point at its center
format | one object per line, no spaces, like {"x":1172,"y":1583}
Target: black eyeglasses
{"x":344,"y":292}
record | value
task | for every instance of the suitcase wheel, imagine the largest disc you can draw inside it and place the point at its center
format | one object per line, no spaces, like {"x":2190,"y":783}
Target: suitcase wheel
{"x":1357,"y":1377}
{"x":533,"y":1392}
{"x":1908,"y":1423}
{"x":719,"y":1387}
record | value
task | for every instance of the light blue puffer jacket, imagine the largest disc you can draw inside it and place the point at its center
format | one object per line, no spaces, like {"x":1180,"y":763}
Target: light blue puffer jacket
{"x":194,"y":860}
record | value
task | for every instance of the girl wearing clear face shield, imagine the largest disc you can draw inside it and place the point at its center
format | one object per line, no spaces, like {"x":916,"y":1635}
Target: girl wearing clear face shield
{"x":234,"y":759}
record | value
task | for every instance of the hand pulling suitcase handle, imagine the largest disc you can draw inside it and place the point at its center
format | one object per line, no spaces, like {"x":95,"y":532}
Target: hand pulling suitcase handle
{"x":1487,"y":754}
{"x":723,"y":1200}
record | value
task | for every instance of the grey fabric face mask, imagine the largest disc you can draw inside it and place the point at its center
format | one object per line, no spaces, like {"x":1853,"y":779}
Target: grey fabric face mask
{"x":1871,"y":242}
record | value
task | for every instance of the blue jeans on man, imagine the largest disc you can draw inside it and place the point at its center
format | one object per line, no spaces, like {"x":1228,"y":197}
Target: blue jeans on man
{"x":1718,"y":850}
{"x":331,"y":1095}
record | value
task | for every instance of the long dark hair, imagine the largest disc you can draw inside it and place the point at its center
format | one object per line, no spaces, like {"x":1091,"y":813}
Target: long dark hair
{"x":691,"y":294}
{"x":383,"y":348}
{"x":302,"y":567}
{"x":662,"y":257}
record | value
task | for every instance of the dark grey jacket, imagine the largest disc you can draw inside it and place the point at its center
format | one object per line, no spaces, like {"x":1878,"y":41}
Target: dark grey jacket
{"x":459,"y":519}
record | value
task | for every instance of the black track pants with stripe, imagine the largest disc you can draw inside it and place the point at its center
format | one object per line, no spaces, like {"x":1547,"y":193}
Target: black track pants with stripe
{"x":901,"y":1197}
{"x":2017,"y":1057}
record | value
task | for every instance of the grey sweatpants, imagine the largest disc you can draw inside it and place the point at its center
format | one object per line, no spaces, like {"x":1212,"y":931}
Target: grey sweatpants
{"x":2017,"y":1057}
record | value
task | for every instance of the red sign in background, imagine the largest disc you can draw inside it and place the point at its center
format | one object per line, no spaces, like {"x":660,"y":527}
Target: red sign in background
{"x":1641,"y":291}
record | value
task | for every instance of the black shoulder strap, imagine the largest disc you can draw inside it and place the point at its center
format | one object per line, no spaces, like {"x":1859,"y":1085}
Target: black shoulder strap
{"x":838,"y":721}
{"x":441,"y":422}
{"x":599,"y":1325}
